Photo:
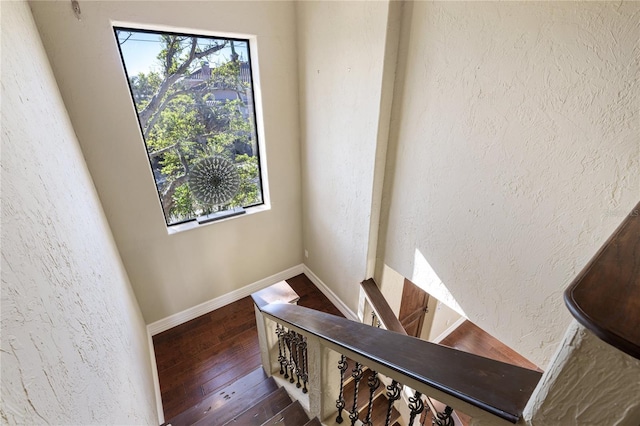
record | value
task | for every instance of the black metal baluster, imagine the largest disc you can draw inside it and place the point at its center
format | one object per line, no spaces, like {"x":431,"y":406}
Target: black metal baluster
{"x":357,"y":376}
{"x":342,"y":367}
{"x":291,"y":363}
{"x":297,"y":338}
{"x":285,"y":340}
{"x":375,"y":321}
{"x":374,"y":383}
{"x":393,"y":394}
{"x":445,"y":418}
{"x":416,"y":406}
{"x":281,"y":358}
{"x":305,"y":368}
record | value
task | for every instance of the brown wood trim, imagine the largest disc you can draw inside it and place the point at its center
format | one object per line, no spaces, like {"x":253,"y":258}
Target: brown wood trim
{"x":605,"y":296}
{"x":380,"y":305}
{"x":498,"y":388}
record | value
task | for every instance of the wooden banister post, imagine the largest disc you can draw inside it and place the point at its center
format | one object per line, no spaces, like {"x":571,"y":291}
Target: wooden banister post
{"x":324,"y":379}
{"x":266,"y":341}
{"x":277,"y":293}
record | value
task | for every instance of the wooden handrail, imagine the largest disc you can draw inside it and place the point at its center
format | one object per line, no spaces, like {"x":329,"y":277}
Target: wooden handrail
{"x":605,"y":296}
{"x":495,"y":387}
{"x":381,"y":307}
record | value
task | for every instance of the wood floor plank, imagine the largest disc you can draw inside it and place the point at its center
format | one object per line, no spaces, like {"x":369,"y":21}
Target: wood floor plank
{"x":293,"y":415}
{"x":263,"y":410}
{"x":255,"y":379}
{"x":229,"y":375}
{"x":470,"y":338}
{"x":198,"y":357}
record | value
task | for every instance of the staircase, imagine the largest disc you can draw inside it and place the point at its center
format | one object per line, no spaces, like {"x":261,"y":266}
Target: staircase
{"x":329,"y":362}
{"x":252,"y":400}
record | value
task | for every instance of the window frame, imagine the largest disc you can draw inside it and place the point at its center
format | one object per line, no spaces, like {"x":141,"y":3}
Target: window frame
{"x":258,"y":131}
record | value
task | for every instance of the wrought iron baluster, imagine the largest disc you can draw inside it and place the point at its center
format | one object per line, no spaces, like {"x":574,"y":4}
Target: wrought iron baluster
{"x":342,"y":367}
{"x":393,"y":394}
{"x":286,"y":338}
{"x":374,"y":383}
{"x":281,"y":358}
{"x":290,"y":334}
{"x":416,"y":406}
{"x":297,"y":338}
{"x":445,"y":418}
{"x":375,"y":321}
{"x":305,"y":368}
{"x":357,"y":376}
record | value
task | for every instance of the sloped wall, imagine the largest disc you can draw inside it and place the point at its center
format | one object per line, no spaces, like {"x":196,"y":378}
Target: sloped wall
{"x":515,"y":134}
{"x":74,"y":344}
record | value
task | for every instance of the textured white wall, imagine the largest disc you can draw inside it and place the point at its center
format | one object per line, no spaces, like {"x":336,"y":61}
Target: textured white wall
{"x":517,"y":155}
{"x":74,"y":344}
{"x":171,"y":273}
{"x":588,"y":383}
{"x":341,"y":51}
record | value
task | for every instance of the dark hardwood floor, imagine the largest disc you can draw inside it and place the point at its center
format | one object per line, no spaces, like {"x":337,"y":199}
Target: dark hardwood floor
{"x":197,"y":358}
{"x":468,"y":337}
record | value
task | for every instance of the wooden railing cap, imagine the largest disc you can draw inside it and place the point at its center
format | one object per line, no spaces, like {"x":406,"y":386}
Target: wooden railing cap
{"x":605,"y":296}
{"x":493,"y":386}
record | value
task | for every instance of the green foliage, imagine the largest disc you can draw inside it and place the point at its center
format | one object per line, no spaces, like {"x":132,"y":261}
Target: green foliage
{"x":183,"y":203}
{"x":197,"y":119}
{"x":144,"y":86}
{"x":227,"y":76}
{"x":249,"y":192}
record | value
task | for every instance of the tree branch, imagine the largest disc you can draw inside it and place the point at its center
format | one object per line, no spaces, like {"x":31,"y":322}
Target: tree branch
{"x":155,"y":106}
{"x":167,"y":194}
{"x":156,"y":116}
{"x":163,"y":150}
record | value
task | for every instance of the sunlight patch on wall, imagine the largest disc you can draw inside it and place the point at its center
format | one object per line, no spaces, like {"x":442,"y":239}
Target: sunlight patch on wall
{"x":427,"y":279}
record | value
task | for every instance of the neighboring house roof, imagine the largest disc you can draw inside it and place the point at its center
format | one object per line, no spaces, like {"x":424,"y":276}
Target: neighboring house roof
{"x":204,"y":73}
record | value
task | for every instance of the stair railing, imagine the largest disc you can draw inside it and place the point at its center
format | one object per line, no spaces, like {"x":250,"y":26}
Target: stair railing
{"x":383,"y":316}
{"x":491,"y":392}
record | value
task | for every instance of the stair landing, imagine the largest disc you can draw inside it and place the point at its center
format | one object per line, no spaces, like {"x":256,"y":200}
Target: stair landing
{"x":470,"y":338}
{"x":199,"y":357}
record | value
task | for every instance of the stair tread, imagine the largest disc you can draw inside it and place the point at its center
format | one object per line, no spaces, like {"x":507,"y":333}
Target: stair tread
{"x":379,"y":414}
{"x":262,"y":411}
{"x":238,"y":403}
{"x":229,"y":401}
{"x":292,"y":415}
{"x":363,"y":391}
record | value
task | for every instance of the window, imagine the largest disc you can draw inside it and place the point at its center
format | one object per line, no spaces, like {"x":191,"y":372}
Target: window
{"x":193,"y":95}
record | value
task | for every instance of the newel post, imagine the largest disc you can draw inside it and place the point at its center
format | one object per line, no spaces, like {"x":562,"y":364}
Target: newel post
{"x":277,"y":293}
{"x":264,"y":339}
{"x":324,"y":379}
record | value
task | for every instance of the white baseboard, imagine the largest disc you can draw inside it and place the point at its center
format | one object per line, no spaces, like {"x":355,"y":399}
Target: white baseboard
{"x":218,"y":302}
{"x":156,"y":380}
{"x":342,"y":307}
{"x":439,"y":338}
